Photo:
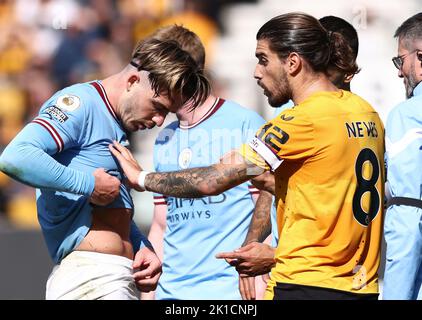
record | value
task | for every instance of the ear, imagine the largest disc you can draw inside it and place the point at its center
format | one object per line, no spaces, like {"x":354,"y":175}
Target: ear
{"x":348,"y":78}
{"x":131,"y":80}
{"x":294,"y":63}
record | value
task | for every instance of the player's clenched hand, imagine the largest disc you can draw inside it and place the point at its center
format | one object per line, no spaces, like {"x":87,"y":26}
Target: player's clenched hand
{"x":265,"y":182}
{"x":253,"y":259}
{"x":147,"y":270}
{"x":128,"y":163}
{"x":106,"y":188}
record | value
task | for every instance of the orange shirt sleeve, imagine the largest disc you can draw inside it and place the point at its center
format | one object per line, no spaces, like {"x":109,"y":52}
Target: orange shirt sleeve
{"x":289,"y":136}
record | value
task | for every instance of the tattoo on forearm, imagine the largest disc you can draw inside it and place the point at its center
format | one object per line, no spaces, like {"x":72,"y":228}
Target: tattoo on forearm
{"x":260,"y":226}
{"x":197,"y":182}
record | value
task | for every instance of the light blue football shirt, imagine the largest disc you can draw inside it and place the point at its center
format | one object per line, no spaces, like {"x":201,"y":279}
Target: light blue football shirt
{"x":57,"y":153}
{"x":198,"y":229}
{"x":403,"y":133}
{"x":402,"y":224}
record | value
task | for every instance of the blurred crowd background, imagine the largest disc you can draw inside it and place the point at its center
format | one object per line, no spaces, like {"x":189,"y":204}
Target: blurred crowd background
{"x":46,"y":45}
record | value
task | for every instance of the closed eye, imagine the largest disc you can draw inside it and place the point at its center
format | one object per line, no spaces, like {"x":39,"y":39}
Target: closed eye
{"x":160,"y":108}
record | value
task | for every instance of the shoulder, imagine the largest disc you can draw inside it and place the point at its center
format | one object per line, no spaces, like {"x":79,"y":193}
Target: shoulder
{"x":294,"y":117}
{"x":244,"y":113}
{"x":410,"y":107}
{"x":399,"y":111}
{"x":334,"y":104}
{"x":82,"y":93}
{"x":71,"y":99}
{"x":358,"y":102}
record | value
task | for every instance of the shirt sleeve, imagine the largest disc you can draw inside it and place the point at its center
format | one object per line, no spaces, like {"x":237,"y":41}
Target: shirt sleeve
{"x":289,"y":136}
{"x":65,"y":118}
{"x":250,"y":125}
{"x":28,"y":157}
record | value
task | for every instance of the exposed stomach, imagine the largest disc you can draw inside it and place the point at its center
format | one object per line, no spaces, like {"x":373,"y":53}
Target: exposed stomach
{"x":109,"y":233}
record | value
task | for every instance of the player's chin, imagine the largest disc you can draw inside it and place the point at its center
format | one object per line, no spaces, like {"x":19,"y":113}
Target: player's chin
{"x":144,"y":125}
{"x":135,"y":127}
{"x":277,"y":101}
{"x":131,"y":127}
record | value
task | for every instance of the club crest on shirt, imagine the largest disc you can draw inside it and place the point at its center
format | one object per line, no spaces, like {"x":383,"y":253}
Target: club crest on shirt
{"x":185,"y":158}
{"x":68,"y":102}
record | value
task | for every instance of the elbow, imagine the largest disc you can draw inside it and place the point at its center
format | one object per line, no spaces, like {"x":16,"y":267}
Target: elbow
{"x":7,"y":164}
{"x":210,"y":190}
{"x":216,"y":192}
{"x":213,"y":193}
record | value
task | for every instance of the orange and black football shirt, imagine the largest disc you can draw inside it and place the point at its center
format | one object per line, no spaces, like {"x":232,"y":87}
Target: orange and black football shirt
{"x":327,"y":154}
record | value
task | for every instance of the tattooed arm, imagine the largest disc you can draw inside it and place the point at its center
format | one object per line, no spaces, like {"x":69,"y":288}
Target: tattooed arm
{"x":260,"y":226}
{"x":259,"y":229}
{"x":197,"y":182}
{"x":190,"y":183}
{"x":254,"y":257}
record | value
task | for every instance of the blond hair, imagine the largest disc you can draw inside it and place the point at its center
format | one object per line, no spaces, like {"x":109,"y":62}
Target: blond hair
{"x":172,"y":71}
{"x":187,"y":40}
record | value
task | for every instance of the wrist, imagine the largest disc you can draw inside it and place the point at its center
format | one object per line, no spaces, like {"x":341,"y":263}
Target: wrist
{"x":90,"y":185}
{"x":145,"y":243}
{"x":141,"y":179}
{"x":247,"y":241}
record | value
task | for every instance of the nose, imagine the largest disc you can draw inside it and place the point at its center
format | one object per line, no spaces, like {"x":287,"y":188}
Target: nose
{"x":159,"y":119}
{"x":400,"y":73}
{"x":257,"y":73}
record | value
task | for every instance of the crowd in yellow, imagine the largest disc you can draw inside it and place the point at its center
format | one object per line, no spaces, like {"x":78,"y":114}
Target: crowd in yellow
{"x":47,"y":45}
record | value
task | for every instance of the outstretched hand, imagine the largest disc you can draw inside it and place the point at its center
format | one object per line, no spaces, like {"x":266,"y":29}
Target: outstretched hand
{"x":253,"y":259}
{"x":128,"y":163}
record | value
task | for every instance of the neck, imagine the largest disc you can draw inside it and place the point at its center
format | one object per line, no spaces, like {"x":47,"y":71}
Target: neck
{"x":188,"y":118}
{"x":306,"y":85}
{"x":345,"y":86}
{"x":113,"y":87}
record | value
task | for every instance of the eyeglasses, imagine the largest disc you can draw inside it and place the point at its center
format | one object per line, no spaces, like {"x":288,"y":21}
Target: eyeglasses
{"x":399,"y":60}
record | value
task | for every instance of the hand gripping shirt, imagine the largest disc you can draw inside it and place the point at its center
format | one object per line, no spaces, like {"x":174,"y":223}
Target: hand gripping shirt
{"x":57,"y":153}
{"x":327,"y":156}
{"x":198,"y":229}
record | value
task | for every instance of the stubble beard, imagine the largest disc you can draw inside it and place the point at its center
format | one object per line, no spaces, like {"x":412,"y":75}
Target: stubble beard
{"x":411,"y":83}
{"x":126,"y":108}
{"x":282,"y":96}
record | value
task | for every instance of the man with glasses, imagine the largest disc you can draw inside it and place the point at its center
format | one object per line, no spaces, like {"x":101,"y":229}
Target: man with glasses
{"x":403,"y":221}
